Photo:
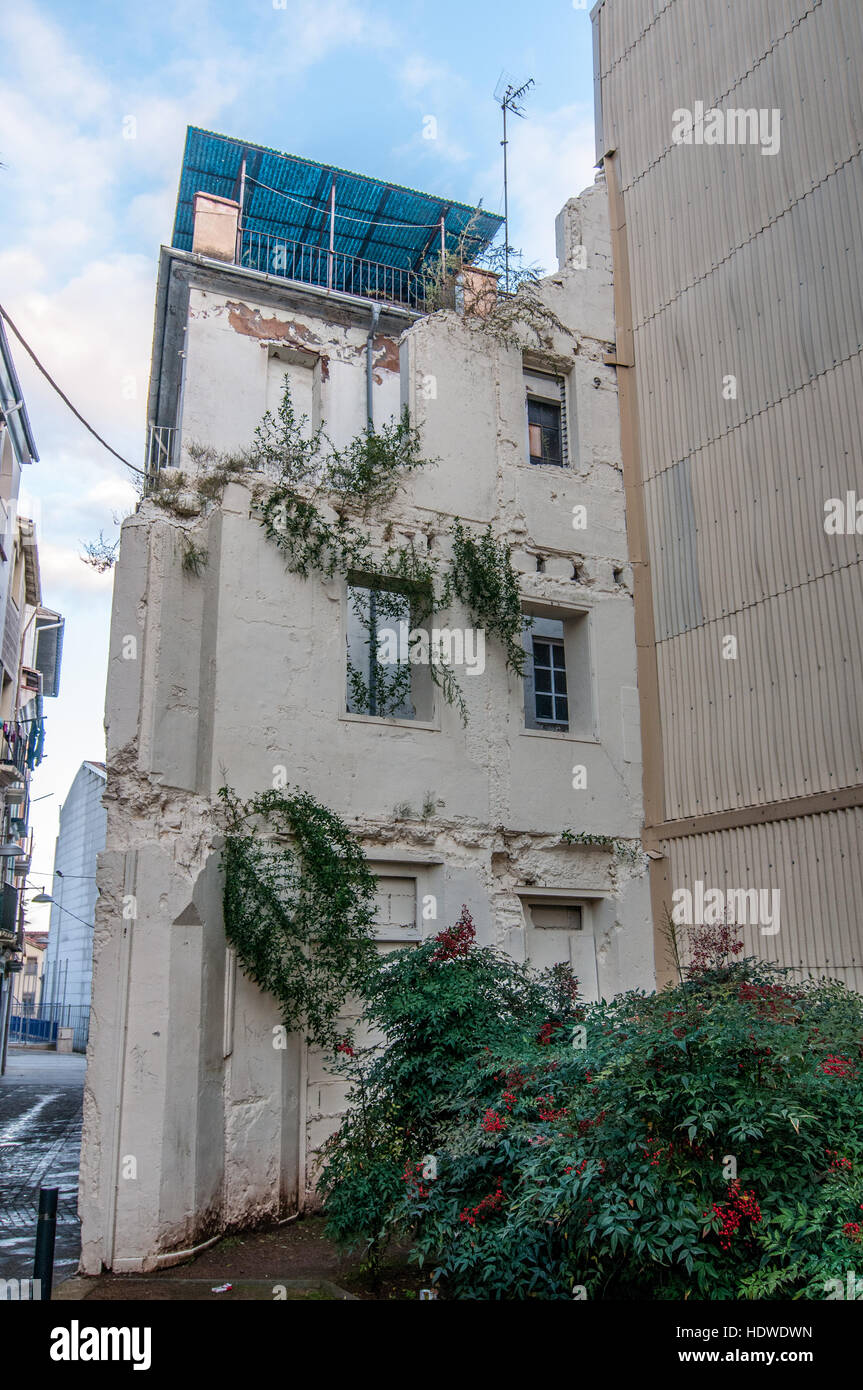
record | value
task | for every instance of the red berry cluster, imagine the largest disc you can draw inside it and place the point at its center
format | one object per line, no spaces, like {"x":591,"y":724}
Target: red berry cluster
{"x":547,"y":1032}
{"x":346,"y":1048}
{"x":412,"y":1177}
{"x":488,"y":1204}
{"x":768,"y":999}
{"x":837,"y":1162}
{"x":742,"y":1205}
{"x":585,"y":1125}
{"x":851,"y":1229}
{"x":492,"y":1122}
{"x":547,"y":1110}
{"x":579,"y":1170}
{"x":838,"y":1066}
{"x":456,"y":941}
{"x":654,"y":1150}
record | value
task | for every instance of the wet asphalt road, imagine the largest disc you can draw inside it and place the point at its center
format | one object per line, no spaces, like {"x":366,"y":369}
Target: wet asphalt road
{"x":40,"y":1141}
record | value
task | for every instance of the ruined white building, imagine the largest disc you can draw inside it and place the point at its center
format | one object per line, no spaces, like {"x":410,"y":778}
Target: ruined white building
{"x":194,"y":1121}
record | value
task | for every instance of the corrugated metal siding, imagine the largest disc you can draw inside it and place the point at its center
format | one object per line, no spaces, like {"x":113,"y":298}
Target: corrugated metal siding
{"x":712,"y":50}
{"x":816,"y":863}
{"x":751,"y":265}
{"x":784,"y":719}
{"x":781,"y":310}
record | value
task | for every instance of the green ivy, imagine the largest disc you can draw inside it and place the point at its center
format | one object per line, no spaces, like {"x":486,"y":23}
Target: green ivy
{"x":483,"y":578}
{"x":298,"y":906}
{"x":304,"y":467}
{"x":629,"y":850}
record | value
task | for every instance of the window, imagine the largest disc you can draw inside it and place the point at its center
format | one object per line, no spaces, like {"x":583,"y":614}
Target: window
{"x":386,"y":678}
{"x":300,"y":371}
{"x":396,"y":910}
{"x":546,"y":418}
{"x":562,"y":930}
{"x":552,"y":917}
{"x":549,"y":681}
{"x":558,"y":680}
{"x":546,"y":698}
{"x":545,"y":432}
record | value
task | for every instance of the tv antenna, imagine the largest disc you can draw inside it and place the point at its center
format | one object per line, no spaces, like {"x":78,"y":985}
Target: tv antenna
{"x":509,"y":97}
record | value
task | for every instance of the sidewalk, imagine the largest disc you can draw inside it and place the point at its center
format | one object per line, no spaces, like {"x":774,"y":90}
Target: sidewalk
{"x":40,"y":1142}
{"x":288,"y":1262}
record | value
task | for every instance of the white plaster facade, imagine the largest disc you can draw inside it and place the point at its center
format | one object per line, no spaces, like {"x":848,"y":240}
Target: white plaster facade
{"x":236,"y":672}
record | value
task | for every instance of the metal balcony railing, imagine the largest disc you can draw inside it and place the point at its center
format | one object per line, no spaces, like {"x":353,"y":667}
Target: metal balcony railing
{"x":331,"y":270}
{"x":161,"y":449}
{"x":13,"y":752}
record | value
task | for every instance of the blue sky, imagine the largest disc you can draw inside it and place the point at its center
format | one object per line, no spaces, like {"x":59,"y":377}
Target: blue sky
{"x":348,"y":82}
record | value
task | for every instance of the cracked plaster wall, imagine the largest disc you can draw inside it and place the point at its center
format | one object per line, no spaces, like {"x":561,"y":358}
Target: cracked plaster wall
{"x":241,"y":669}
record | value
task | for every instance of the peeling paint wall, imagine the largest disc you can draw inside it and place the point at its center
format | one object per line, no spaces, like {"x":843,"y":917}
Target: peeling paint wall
{"x":239,"y":671}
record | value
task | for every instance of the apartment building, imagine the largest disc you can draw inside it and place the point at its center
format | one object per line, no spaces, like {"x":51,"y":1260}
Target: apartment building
{"x":68,"y":967}
{"x":730,"y":138}
{"x":226,"y":667}
{"x":30,"y":656}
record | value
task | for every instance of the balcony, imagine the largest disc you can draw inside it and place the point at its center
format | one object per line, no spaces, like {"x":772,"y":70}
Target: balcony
{"x":315,"y":224}
{"x":8,"y":911}
{"x":161,"y":451}
{"x":331,"y":270}
{"x":13,"y":753}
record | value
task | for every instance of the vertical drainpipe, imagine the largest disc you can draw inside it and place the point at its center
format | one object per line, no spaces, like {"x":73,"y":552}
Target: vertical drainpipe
{"x":370,"y":347}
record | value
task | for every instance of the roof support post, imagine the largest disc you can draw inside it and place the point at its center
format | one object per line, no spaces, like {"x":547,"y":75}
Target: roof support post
{"x":332,"y":234}
{"x":241,"y":200}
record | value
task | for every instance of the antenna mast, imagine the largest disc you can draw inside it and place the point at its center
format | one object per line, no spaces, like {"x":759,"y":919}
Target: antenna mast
{"x":509,"y":96}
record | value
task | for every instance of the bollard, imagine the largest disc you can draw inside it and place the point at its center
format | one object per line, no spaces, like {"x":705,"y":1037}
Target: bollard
{"x":46,"y":1230}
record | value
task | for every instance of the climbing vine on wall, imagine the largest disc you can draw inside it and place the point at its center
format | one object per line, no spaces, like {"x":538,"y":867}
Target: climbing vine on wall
{"x":298,"y":905}
{"x":315,"y":507}
{"x":366,"y":474}
{"x":483,"y":578}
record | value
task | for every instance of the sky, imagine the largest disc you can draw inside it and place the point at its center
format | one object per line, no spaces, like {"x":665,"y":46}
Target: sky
{"x":94,"y":103}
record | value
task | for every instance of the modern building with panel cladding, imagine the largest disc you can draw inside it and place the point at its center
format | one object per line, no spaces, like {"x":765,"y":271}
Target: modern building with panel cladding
{"x":730,"y":135}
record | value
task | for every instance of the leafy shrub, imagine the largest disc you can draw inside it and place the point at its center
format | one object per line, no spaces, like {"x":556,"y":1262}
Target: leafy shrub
{"x":703,"y":1142}
{"x":442,"y":1007}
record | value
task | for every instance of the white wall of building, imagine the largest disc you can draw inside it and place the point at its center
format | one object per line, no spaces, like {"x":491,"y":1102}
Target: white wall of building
{"x":240,"y":670}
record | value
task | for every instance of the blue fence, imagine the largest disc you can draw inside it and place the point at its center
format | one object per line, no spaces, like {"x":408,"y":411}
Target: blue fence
{"x":37,"y":1024}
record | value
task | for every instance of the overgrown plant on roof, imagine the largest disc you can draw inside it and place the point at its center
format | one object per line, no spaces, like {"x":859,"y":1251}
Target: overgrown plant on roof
{"x":447,"y":284}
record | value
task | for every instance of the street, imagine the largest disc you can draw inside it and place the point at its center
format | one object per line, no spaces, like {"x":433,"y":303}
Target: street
{"x":40,"y":1140}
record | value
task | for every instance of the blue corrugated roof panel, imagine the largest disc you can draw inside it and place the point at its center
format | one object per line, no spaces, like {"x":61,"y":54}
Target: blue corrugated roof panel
{"x":288,"y":197}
